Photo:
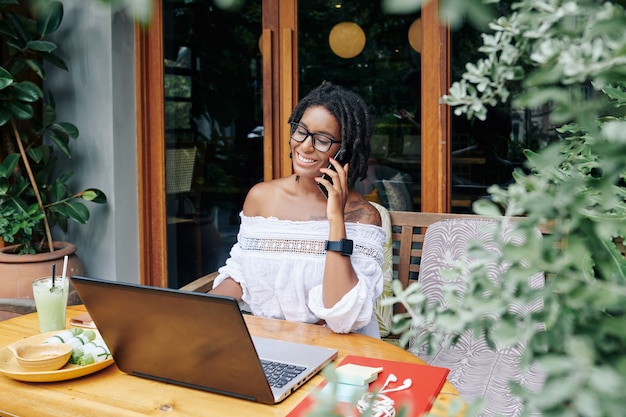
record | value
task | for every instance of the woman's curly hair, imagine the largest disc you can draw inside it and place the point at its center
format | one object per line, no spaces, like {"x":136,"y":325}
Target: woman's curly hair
{"x":354,"y":119}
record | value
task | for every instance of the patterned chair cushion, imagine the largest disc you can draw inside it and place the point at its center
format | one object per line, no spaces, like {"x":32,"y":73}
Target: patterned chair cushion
{"x":476,"y":370}
{"x":384,"y":314}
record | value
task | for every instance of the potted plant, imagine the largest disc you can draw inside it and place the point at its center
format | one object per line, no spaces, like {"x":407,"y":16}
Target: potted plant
{"x":35,"y":193}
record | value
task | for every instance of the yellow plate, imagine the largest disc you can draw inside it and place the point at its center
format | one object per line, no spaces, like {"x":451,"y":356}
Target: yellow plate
{"x":12,"y":369}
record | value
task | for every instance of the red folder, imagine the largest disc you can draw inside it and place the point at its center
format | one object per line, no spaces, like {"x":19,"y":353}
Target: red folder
{"x":418,"y":399}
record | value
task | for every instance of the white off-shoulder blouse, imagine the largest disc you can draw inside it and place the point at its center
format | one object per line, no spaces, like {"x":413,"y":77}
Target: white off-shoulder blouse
{"x":280,"y":267}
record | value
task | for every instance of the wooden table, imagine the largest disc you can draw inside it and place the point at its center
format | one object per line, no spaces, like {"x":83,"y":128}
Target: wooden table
{"x":111,"y":392}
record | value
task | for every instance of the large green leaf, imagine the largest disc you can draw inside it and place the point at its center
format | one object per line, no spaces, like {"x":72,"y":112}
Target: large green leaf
{"x":21,"y":111}
{"x":41,"y":46}
{"x":65,"y":128}
{"x":50,"y":18}
{"x":77,"y":211}
{"x":27,"y":91}
{"x":54,"y":59}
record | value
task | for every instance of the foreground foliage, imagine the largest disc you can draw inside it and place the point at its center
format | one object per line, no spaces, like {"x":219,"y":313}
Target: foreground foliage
{"x":550,"y":52}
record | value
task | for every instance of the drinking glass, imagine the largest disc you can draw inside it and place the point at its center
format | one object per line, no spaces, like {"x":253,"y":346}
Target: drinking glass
{"x":51,"y":301}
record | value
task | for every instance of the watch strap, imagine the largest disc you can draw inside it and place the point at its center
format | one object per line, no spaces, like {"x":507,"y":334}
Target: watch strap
{"x":343,"y":246}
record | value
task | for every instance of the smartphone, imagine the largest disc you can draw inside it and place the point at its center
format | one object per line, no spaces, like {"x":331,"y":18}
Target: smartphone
{"x":327,"y":177}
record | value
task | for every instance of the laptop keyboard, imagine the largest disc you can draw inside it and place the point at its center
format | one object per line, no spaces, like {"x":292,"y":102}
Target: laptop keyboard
{"x":279,"y":374}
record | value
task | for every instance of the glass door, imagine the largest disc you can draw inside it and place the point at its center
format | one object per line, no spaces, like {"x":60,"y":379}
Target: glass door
{"x":484,"y":153}
{"x":215,"y":88}
{"x":377,"y":55}
{"x":213,"y":113}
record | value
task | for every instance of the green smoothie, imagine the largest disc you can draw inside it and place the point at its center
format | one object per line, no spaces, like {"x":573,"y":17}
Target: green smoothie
{"x":51,"y":302}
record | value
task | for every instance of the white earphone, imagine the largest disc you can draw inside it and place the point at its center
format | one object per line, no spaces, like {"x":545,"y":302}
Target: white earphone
{"x":380,"y":404}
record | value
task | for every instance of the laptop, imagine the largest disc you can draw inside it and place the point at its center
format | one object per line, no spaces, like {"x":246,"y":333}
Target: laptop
{"x":196,"y":340}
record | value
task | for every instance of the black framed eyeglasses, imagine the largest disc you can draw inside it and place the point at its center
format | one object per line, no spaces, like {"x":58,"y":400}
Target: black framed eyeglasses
{"x":320,"y":142}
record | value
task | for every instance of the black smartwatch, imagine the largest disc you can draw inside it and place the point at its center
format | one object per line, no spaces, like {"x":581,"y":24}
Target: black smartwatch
{"x":344,"y":246}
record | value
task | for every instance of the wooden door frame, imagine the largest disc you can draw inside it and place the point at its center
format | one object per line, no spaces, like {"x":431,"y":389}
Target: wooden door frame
{"x":280,"y":83}
{"x":151,"y":151}
{"x":435,"y":187}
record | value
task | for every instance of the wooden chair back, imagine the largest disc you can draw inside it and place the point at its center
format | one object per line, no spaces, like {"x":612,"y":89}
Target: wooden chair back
{"x":202,"y":284}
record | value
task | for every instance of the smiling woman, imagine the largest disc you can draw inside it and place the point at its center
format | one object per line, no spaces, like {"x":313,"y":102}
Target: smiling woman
{"x":304,"y":256}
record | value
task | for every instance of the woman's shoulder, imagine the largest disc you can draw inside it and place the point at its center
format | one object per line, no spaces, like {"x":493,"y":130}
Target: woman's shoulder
{"x":256,"y":197}
{"x":261,"y":195}
{"x":359,"y":210}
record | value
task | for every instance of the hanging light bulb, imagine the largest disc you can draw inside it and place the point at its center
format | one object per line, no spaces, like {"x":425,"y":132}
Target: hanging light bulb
{"x":415,"y":35}
{"x":346,"y":39}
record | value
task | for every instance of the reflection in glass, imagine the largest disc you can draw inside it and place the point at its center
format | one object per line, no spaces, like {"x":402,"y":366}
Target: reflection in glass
{"x":487,"y":152}
{"x":387,"y":74}
{"x":213,"y":112}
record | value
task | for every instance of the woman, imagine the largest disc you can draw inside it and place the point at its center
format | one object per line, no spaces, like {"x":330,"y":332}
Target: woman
{"x":282,"y":266}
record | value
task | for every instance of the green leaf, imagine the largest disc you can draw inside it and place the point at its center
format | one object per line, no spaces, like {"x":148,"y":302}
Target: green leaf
{"x":77,"y":211}
{"x":36,"y":67}
{"x":58,"y":191}
{"x":6,"y":79}
{"x":20,"y":206}
{"x":94,"y":195}
{"x":62,"y":142}
{"x":27,"y":91}
{"x":21,"y":111}
{"x":7,"y":30}
{"x":33,"y":209}
{"x":50,"y":18}
{"x":5,"y":115}
{"x":41,"y":46}
{"x":49,"y":115}
{"x":486,"y":208}
{"x":55,"y":60}
{"x":20,"y":31}
{"x":8,"y":165}
{"x":67,"y":129}
{"x":4,"y":187}
{"x":36,"y":154}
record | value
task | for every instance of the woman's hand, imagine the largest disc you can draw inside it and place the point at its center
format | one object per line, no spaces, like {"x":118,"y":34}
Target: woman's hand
{"x":337,"y":191}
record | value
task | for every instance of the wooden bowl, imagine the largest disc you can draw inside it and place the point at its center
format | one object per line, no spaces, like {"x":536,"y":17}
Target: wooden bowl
{"x":40,"y":358}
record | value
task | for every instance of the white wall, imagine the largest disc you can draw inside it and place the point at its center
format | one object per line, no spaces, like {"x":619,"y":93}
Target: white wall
{"x":98,"y":96}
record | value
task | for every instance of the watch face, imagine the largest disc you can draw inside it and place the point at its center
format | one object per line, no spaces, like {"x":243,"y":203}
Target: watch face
{"x":347,"y":246}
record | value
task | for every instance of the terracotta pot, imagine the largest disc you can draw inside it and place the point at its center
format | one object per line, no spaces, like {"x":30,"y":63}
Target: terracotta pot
{"x":18,"y":271}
